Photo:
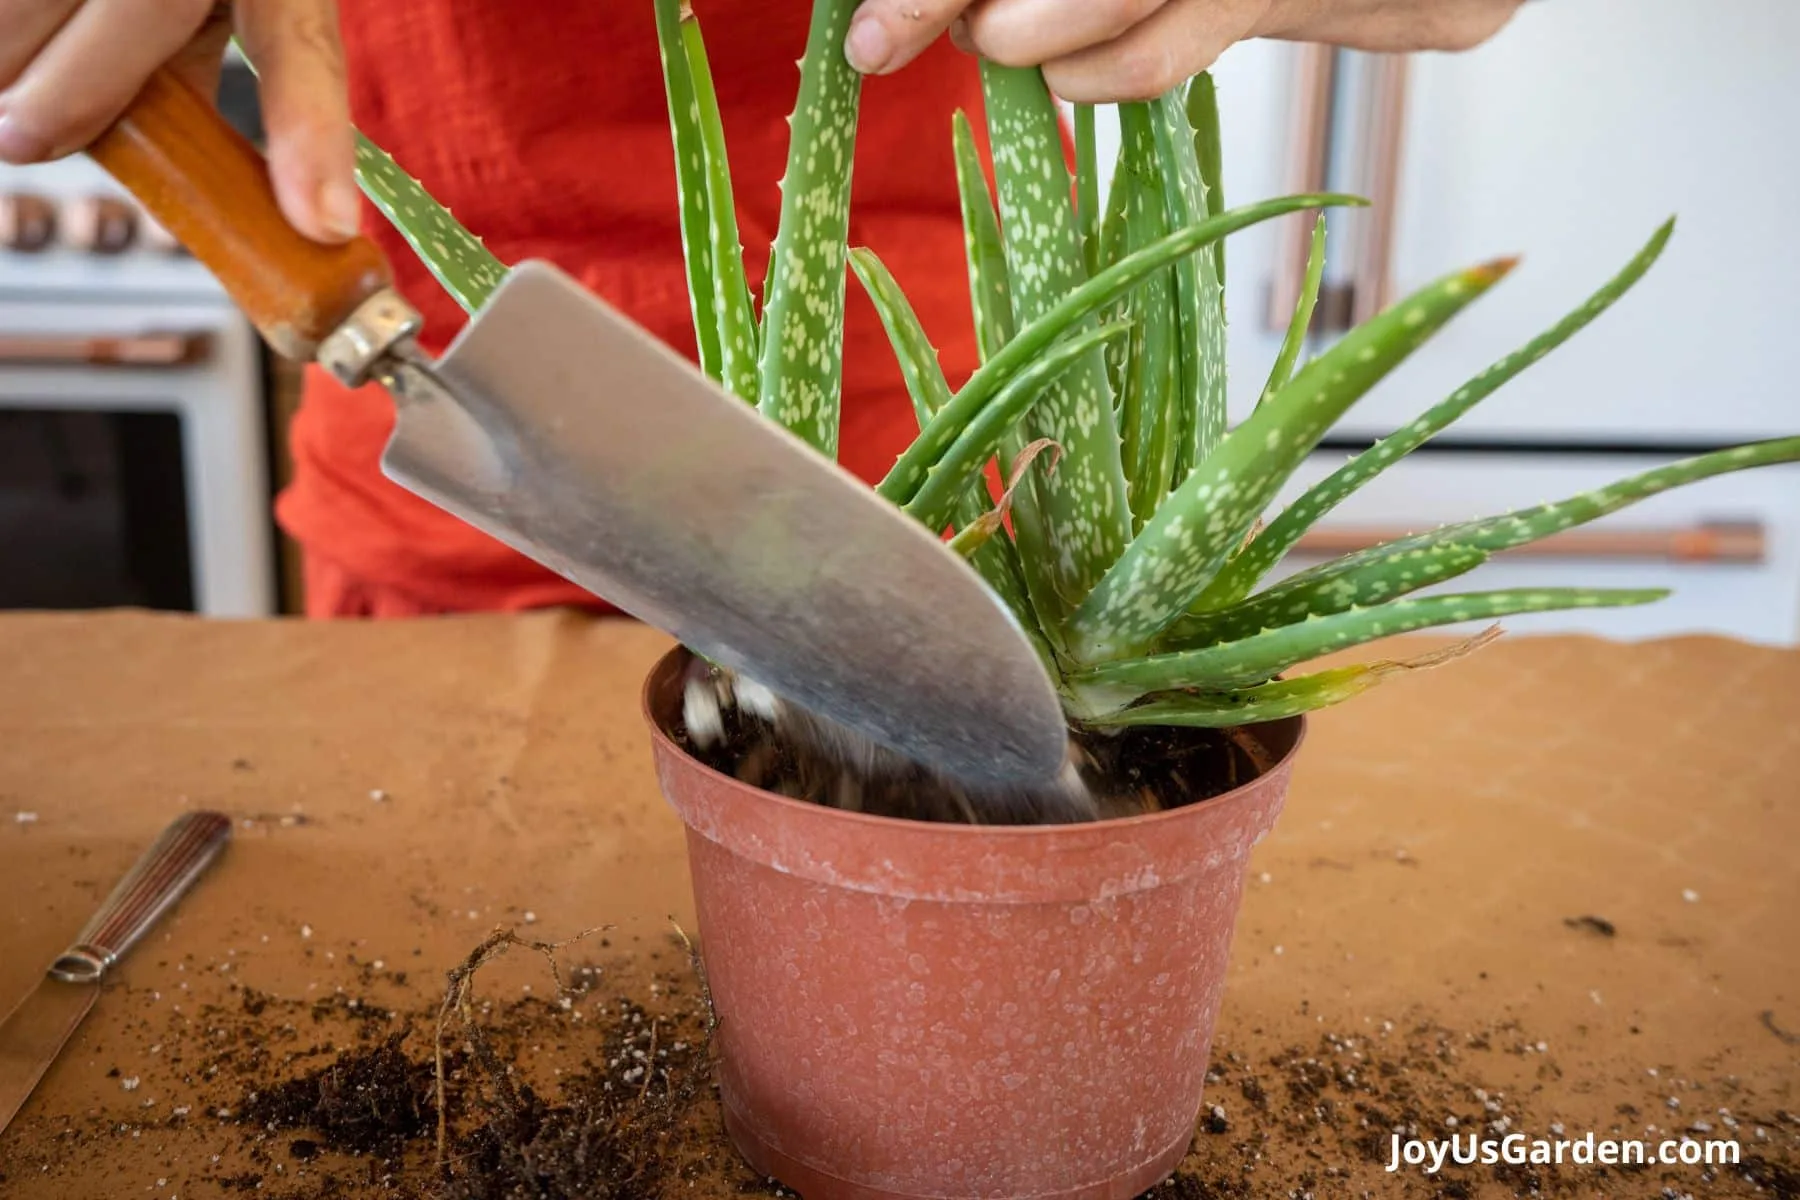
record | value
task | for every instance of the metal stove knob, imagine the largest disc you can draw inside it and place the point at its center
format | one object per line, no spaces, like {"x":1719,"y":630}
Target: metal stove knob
{"x":27,"y":222}
{"x":100,"y":224}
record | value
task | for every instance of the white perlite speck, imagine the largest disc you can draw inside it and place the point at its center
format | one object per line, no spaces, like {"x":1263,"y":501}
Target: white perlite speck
{"x":25,"y":818}
{"x":129,"y":1083}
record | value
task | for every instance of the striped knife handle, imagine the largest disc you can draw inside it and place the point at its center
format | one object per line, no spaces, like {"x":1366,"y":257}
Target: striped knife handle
{"x":166,"y":870}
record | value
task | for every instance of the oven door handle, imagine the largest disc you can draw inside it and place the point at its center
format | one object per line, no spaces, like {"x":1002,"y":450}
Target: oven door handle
{"x":96,"y":350}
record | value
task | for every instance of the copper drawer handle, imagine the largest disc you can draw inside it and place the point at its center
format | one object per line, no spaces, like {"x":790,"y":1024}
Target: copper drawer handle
{"x":1738,"y":542}
{"x":87,"y":350}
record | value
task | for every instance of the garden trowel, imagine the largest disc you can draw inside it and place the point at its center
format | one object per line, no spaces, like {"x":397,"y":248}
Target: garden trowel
{"x":562,"y":429}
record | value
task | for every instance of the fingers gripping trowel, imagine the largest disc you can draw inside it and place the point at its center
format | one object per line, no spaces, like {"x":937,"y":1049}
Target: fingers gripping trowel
{"x":560,"y":428}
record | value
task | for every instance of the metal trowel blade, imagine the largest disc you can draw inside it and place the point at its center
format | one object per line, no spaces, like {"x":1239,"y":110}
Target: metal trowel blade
{"x":558,"y":426}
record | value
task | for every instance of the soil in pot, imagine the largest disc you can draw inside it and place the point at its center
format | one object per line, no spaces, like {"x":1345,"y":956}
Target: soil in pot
{"x":1128,"y":772}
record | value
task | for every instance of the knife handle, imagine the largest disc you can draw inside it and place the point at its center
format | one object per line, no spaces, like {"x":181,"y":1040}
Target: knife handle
{"x":209,"y":187}
{"x":166,"y":870}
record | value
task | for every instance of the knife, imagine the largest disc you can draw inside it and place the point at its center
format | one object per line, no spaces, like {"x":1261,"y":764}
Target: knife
{"x":559,"y":427}
{"x":38,"y":1027}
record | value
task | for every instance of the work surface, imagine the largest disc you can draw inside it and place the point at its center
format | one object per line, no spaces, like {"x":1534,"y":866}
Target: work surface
{"x":1549,"y":888}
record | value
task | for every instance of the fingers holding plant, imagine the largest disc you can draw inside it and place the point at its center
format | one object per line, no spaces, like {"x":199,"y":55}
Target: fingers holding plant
{"x":1103,"y":51}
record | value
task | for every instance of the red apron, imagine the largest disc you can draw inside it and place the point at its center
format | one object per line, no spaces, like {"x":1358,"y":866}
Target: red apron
{"x":543,"y":127}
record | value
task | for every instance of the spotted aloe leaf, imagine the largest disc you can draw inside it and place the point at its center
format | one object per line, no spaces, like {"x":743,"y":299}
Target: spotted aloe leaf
{"x":731,"y":308}
{"x":1242,"y":573}
{"x":1199,"y":298}
{"x":995,"y":559}
{"x":1069,"y":312}
{"x":1203,"y":117}
{"x":803,"y":323}
{"x":975,"y":440}
{"x":1283,"y":697}
{"x":691,"y":179}
{"x":1377,"y":581}
{"x":455,"y":257}
{"x":1260,"y":657}
{"x":1076,"y":522}
{"x":1146,"y":370}
{"x":1295,"y":338}
{"x":1205,"y":518}
{"x":1087,"y":188}
{"x":990,"y":292}
{"x":1523,"y":526}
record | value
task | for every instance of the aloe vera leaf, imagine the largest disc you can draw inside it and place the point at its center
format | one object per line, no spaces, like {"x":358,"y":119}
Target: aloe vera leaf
{"x":1076,"y":306}
{"x":1087,"y":188}
{"x":1382,"y":579}
{"x":1260,"y":657}
{"x":1075,"y":523}
{"x":918,"y":358}
{"x":1187,"y":542}
{"x":1145,"y":373}
{"x":1242,"y":573}
{"x":990,"y":293}
{"x":1283,"y":697}
{"x":976,"y":440}
{"x":732,"y":308}
{"x":1200,"y":305}
{"x":1209,"y":151}
{"x":1246,"y":706}
{"x":1525,"y":525}
{"x":691,"y":181}
{"x":455,"y":257}
{"x":996,"y":561}
{"x":1295,"y":339}
{"x":803,"y":325}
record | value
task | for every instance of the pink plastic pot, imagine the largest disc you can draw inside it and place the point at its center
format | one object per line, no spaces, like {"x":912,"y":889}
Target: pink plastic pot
{"x":922,"y":1010}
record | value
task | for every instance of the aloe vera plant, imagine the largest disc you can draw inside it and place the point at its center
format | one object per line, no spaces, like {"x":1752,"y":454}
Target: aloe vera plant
{"x":1135,"y":552}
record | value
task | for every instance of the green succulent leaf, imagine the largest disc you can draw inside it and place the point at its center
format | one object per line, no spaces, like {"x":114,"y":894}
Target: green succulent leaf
{"x":995,"y":559}
{"x":1075,"y":522}
{"x":691,"y":177}
{"x":454,"y":256}
{"x":1145,"y":368}
{"x":1247,"y":706}
{"x":990,"y":292}
{"x":1525,"y":525}
{"x":737,"y":333}
{"x":1209,"y":150}
{"x":803,"y":324}
{"x":1087,"y":188}
{"x":1199,"y":298}
{"x":1283,"y":698}
{"x":975,"y":441}
{"x":1242,"y":573}
{"x":1205,"y":518}
{"x":1260,"y":657}
{"x":1287,"y":603}
{"x":1295,"y":339}
{"x":1075,"y":307}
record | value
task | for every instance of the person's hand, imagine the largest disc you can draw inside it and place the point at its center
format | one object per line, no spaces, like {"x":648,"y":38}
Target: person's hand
{"x":69,"y":68}
{"x":1100,"y":51}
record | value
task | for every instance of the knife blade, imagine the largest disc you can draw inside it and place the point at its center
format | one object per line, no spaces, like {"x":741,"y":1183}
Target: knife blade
{"x":40,"y":1025}
{"x":560,"y":427}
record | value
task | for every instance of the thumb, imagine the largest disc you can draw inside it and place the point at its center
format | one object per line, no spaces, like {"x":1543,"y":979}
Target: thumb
{"x":885,"y":35}
{"x":299,"y":61}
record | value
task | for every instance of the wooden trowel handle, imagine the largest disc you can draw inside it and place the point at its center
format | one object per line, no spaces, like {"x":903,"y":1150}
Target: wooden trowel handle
{"x":207,"y":185}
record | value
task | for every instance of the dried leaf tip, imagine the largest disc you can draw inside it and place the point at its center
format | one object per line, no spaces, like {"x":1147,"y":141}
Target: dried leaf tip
{"x":687,"y":11}
{"x":1492,"y":272}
